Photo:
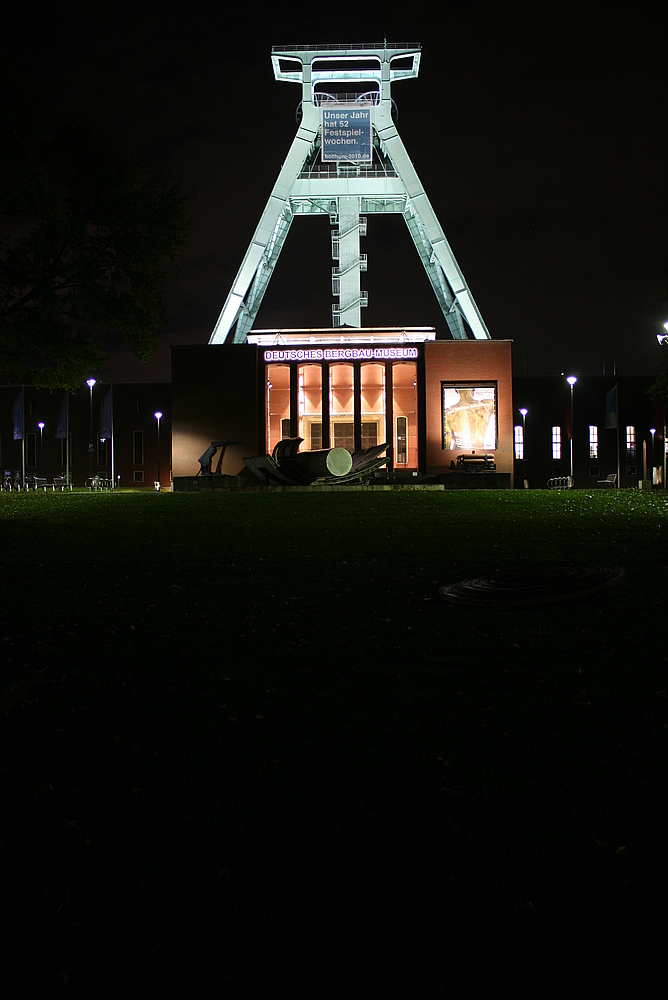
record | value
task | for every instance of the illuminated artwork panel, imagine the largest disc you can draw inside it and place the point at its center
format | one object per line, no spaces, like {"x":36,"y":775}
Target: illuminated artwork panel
{"x":469,"y":417}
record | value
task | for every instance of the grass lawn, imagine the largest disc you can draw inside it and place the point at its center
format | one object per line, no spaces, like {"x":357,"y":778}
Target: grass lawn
{"x":247,"y":747}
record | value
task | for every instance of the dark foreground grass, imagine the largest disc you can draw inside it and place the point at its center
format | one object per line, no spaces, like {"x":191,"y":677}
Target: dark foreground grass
{"x":246,"y":747}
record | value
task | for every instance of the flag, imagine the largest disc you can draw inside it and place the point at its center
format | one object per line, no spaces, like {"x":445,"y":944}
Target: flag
{"x":61,"y":429}
{"x":17,"y":414}
{"x":611,"y":408}
{"x":105,"y":417}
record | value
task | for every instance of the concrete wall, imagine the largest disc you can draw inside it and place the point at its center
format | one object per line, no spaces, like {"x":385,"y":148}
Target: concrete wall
{"x":468,"y":361}
{"x":214,"y":398}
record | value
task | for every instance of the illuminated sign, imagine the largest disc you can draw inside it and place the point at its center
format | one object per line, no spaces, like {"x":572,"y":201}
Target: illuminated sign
{"x":346,"y":134}
{"x":469,"y":417}
{"x":343,"y":354}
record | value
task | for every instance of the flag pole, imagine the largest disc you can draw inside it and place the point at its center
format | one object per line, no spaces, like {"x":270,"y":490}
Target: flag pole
{"x":67,"y":437}
{"x":23,"y":436}
{"x":113,"y":467}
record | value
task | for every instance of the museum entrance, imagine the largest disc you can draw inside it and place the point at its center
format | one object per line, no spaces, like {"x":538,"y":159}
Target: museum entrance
{"x":367,"y":403}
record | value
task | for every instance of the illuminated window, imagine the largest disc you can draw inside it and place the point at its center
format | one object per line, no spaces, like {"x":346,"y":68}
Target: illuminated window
{"x":309,"y":407}
{"x":519,"y":441}
{"x":101,"y":450}
{"x":556,"y":442}
{"x":630,"y":442}
{"x":277,"y":390}
{"x":404,"y":407}
{"x":342,"y":407}
{"x":593,"y":441}
{"x":138,"y":448}
{"x":372,"y":404}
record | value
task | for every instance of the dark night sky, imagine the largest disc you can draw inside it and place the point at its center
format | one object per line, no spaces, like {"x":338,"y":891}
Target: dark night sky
{"x":538,"y":133}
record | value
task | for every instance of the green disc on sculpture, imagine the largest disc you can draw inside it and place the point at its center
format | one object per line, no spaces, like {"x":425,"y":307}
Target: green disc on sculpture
{"x":339,"y":462}
{"x":512,"y":588}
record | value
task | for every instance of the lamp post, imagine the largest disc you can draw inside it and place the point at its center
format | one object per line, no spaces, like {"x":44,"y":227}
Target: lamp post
{"x":524,"y":411}
{"x":652,"y":431}
{"x":41,"y":442}
{"x":90,"y":383}
{"x":663,"y":342}
{"x":571,"y":381}
{"x":157,"y":415}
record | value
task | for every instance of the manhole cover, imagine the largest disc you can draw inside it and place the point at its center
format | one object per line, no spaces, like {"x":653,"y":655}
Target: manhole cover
{"x":520,"y":587}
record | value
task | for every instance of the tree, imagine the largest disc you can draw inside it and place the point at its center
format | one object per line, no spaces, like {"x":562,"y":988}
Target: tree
{"x":88,"y":239}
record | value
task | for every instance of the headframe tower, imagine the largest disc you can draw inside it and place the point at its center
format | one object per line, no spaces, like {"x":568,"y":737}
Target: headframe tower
{"x":346,"y":92}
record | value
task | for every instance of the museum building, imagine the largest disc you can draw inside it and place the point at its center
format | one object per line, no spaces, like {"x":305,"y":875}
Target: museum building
{"x":444,"y":408}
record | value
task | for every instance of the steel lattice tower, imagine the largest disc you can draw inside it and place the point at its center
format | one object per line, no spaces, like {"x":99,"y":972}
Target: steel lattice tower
{"x":359,"y":77}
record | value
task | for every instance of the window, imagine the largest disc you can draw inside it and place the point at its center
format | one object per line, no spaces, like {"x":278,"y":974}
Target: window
{"x":404,"y":405}
{"x":342,"y":407}
{"x":139,"y":476}
{"x":309,"y":407}
{"x":519,"y":441}
{"x":556,"y":442}
{"x":277,"y":388}
{"x":593,"y":441}
{"x":372,"y":405}
{"x":594,"y":471}
{"x":630,"y":442}
{"x":31,"y":451}
{"x":138,"y":448}
{"x":101,"y":450}
{"x":630,"y":471}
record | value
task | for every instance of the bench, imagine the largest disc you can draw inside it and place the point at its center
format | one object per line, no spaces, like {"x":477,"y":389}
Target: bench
{"x":610,"y":480}
{"x":474,"y":463}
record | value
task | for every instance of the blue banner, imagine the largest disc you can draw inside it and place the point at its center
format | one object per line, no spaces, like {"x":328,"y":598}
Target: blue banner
{"x":61,"y":429}
{"x":17,"y":416}
{"x":611,"y":408}
{"x":105,"y":417}
{"x":346,"y":135}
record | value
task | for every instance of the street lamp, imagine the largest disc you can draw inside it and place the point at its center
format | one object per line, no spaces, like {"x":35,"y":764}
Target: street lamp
{"x":157,"y":416}
{"x":90,"y":382}
{"x":663,"y":342}
{"x":524,"y":411}
{"x":652,"y":431}
{"x":41,"y":442}
{"x":571,"y":381}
